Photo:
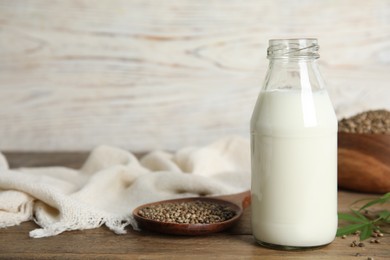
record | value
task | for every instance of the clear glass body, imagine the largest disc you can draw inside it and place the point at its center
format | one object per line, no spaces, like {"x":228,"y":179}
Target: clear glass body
{"x":294,"y":151}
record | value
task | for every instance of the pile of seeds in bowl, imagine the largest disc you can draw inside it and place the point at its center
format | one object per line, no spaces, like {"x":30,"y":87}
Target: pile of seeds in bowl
{"x":189,"y":212}
{"x":368,"y":122}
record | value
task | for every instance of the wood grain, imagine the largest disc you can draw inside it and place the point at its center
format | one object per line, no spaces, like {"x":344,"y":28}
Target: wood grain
{"x":144,"y":75}
{"x":236,"y":243}
{"x":364,"y":162}
{"x":102,"y":244}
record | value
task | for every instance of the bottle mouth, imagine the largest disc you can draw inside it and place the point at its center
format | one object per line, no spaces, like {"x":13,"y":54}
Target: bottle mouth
{"x":305,"y":48}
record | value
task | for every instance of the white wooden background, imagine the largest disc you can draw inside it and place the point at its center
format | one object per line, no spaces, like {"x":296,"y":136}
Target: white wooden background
{"x":145,"y":74}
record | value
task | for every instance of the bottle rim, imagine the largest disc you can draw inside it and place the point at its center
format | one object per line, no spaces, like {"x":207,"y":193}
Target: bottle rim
{"x":296,"y":48}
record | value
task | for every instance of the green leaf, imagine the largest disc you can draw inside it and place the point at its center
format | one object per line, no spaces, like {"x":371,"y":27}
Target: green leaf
{"x":385,"y":198}
{"x":349,"y":217}
{"x":384,"y":215}
{"x":360,"y":215}
{"x":363,"y":223}
{"x":366,"y":232}
{"x":350,"y":229}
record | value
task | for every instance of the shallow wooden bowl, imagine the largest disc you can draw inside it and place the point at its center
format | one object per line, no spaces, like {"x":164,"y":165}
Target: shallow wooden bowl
{"x":236,"y":202}
{"x":364,"y":162}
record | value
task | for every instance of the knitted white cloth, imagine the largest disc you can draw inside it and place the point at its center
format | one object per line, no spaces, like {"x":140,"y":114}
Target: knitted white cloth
{"x":112,"y":182}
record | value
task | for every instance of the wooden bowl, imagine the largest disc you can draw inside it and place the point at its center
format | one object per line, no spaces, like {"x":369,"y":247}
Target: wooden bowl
{"x":236,"y":202}
{"x":364,"y":162}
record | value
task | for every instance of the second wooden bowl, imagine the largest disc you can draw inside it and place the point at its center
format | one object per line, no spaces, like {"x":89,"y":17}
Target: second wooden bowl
{"x":364,"y":162}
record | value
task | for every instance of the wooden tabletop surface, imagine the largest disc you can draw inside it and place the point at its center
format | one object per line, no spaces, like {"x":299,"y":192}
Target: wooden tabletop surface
{"x":101,"y":243}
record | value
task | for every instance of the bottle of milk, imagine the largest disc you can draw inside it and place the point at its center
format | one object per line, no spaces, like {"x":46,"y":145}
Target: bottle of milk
{"x":294,"y":151}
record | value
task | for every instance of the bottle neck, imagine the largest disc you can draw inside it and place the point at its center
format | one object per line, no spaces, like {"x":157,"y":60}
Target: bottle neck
{"x":292,"y":73}
{"x":291,"y":62}
{"x":293,"y":65}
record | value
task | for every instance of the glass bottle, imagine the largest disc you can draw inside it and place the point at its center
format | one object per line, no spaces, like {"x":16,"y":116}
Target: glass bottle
{"x":294,"y":151}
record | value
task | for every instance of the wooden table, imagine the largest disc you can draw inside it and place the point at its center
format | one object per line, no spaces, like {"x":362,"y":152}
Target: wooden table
{"x":101,"y":243}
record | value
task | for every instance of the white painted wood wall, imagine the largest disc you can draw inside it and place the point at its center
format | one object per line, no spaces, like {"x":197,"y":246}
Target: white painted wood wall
{"x":145,"y":74}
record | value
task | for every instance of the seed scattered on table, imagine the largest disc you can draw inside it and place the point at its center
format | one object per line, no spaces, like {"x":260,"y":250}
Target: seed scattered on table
{"x":190,"y":212}
{"x":368,"y":122}
{"x":354,"y":243}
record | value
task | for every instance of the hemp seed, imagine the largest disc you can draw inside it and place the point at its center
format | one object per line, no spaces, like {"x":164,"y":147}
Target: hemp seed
{"x":190,"y":212}
{"x":368,"y":122}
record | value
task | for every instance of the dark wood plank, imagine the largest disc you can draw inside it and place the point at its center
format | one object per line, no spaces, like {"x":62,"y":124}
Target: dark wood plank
{"x":34,"y":159}
{"x":101,"y":243}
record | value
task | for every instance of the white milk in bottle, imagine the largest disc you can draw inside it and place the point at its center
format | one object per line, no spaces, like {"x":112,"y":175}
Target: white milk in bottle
{"x":294,"y":151}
